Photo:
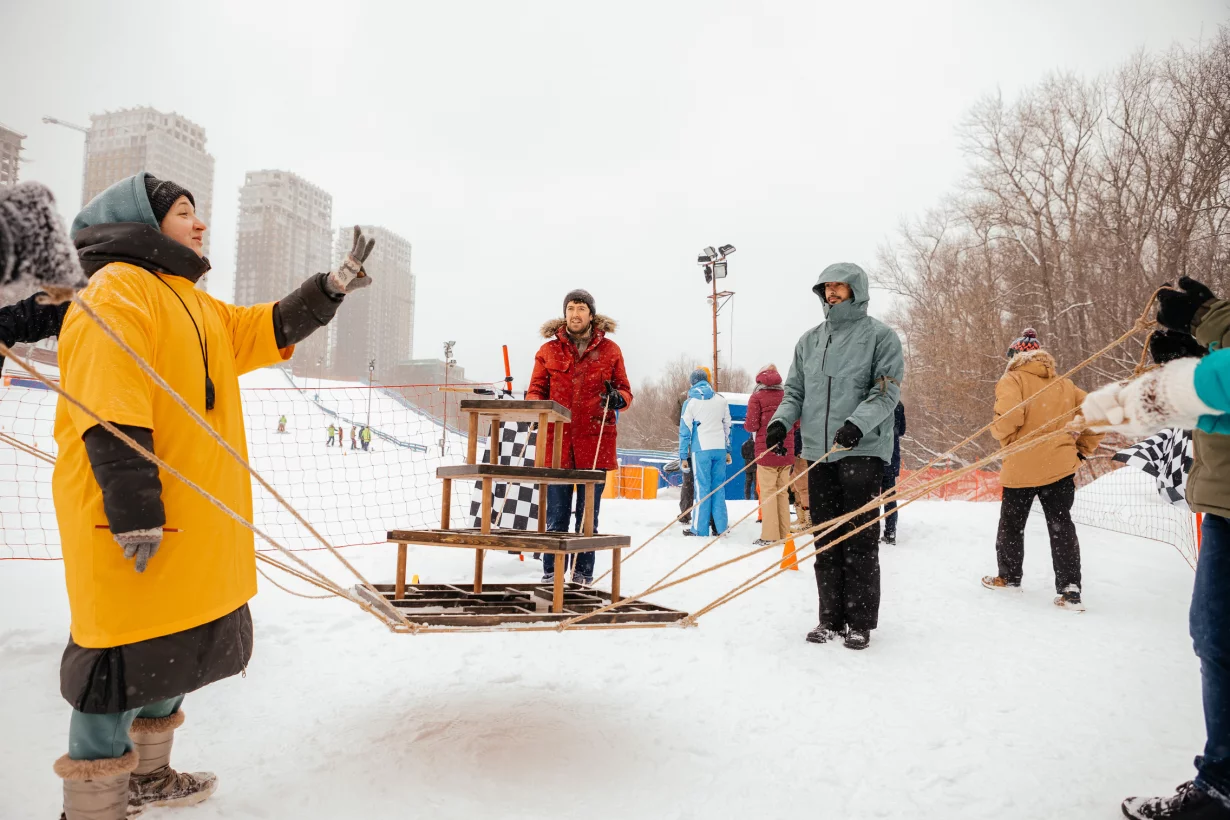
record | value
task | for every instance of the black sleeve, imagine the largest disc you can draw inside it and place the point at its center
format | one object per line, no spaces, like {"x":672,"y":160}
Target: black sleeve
{"x":900,"y":418}
{"x":28,"y":321}
{"x":131,"y":489}
{"x":307,"y":308}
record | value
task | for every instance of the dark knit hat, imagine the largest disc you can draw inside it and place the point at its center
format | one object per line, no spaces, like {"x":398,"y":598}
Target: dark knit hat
{"x":162,"y":194}
{"x":579,"y":295}
{"x":1027,"y":342}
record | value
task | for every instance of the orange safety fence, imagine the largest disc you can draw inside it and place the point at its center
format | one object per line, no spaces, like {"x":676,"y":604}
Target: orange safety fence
{"x":982,"y":485}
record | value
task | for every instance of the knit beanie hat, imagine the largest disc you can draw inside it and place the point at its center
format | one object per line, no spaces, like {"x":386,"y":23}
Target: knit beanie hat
{"x":579,"y":295}
{"x":700,"y":374}
{"x":1027,"y":342}
{"x":162,"y":194}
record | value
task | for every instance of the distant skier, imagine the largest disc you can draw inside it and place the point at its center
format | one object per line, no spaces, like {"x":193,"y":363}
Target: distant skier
{"x":843,"y":385}
{"x":365,"y":436}
{"x":704,"y":436}
{"x":1046,"y":471}
{"x":282,"y":424}
{"x":332,"y":433}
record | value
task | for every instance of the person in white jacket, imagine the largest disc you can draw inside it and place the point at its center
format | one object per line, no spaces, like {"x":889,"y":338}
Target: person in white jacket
{"x":704,"y":432}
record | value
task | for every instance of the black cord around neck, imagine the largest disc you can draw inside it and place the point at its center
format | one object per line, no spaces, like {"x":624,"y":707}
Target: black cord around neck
{"x":202,"y":342}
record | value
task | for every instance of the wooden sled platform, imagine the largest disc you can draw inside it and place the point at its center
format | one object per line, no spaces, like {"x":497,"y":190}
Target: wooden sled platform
{"x":512,"y":605}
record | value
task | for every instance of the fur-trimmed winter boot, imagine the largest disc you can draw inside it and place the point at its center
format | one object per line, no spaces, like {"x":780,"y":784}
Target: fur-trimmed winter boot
{"x":154,"y":782}
{"x":804,"y":522}
{"x":96,"y":789}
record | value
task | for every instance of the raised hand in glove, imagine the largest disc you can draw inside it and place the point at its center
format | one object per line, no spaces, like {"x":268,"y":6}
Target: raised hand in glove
{"x":140,"y":544}
{"x":1177,"y":308}
{"x":848,"y":436}
{"x":775,"y":437}
{"x":1168,"y":345}
{"x":350,"y":275}
{"x":1161,"y":398}
{"x":611,"y":398}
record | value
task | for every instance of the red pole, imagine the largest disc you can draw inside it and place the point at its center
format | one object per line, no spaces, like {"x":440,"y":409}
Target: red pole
{"x":507,"y":373}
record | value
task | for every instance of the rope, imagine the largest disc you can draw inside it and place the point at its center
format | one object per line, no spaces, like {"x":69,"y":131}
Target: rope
{"x":149,"y":456}
{"x":192,"y":413}
{"x":28,"y":449}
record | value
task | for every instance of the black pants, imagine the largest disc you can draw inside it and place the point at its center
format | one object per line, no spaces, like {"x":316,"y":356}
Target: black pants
{"x":847,"y":575}
{"x":890,"y":507}
{"x":687,"y":498}
{"x":1056,"y":501}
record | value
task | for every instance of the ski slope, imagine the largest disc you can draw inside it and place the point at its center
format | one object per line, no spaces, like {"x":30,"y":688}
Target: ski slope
{"x":968,"y":704}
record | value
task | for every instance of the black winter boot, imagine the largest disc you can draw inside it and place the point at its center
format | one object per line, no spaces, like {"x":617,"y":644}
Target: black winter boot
{"x":1189,"y":802}
{"x":824,"y":634}
{"x":858,"y":638}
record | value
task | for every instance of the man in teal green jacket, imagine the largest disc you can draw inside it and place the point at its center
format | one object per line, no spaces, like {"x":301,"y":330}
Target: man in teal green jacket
{"x":844,"y":384}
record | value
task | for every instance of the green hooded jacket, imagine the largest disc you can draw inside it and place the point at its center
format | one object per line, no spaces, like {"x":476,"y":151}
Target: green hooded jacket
{"x":1208,"y":488}
{"x":125,"y":201}
{"x":849,"y":368}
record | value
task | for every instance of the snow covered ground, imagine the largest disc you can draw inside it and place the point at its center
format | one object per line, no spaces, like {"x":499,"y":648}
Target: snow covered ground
{"x":968,"y":704}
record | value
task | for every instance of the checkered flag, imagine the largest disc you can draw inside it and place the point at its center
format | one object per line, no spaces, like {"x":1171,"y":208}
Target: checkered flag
{"x":1167,"y":456}
{"x":513,"y":506}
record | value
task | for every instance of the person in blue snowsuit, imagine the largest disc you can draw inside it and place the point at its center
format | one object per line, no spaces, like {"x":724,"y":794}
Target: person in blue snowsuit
{"x":1191,"y":391}
{"x":704,"y":433}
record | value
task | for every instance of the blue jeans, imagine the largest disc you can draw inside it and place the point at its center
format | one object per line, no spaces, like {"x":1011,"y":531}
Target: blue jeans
{"x":102,"y":737}
{"x":1210,"y":629}
{"x":709,"y":468}
{"x":559,"y":516}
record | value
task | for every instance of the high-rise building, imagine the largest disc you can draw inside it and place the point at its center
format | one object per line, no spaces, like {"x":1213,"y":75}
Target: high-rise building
{"x":284,"y":235}
{"x":125,"y":142}
{"x":10,"y":155}
{"x":376,"y":322}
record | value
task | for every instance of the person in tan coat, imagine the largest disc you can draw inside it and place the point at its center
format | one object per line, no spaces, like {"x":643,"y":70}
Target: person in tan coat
{"x":1046,"y":471}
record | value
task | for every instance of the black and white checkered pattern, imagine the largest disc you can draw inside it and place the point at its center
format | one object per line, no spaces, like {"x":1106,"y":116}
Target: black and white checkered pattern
{"x":513,"y":506}
{"x":1167,"y":456}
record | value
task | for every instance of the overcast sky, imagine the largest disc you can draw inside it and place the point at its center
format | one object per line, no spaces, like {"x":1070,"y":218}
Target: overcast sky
{"x":529,"y":148}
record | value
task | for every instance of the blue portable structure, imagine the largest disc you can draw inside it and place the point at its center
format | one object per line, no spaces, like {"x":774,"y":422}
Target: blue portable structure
{"x":738,"y":412}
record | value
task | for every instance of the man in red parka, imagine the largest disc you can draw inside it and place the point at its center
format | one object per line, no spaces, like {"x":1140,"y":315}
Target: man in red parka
{"x":580,"y":368}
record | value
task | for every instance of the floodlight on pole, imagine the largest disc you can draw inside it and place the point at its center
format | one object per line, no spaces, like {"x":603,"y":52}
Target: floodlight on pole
{"x":713,"y":260}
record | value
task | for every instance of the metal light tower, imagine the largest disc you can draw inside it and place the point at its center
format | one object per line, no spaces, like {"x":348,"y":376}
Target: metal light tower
{"x":449,"y":361}
{"x":371,"y":378}
{"x":85,"y":161}
{"x":714,"y":263}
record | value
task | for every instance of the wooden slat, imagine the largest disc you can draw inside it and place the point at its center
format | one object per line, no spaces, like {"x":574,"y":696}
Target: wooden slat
{"x":478,"y":570}
{"x":447,"y":499}
{"x":561,"y":571}
{"x":616,"y":571}
{"x":557,"y":445}
{"x":486,"y":506}
{"x":517,"y":540}
{"x":472,"y":441}
{"x":493,"y":449}
{"x":516,"y":409}
{"x":520,"y":475}
{"x":400,"y":578}
{"x":542,"y":507}
{"x":591,"y":492}
{"x":540,"y":446}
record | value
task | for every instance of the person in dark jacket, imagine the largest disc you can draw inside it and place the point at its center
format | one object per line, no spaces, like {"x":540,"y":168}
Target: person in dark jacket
{"x":891,"y":472}
{"x":773,"y":471}
{"x":29,"y":321}
{"x":157,"y":612}
{"x":750,"y":488}
{"x":843,"y":385}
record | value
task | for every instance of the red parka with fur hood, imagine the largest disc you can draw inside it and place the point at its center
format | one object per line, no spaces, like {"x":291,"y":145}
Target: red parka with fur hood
{"x":576,"y":379}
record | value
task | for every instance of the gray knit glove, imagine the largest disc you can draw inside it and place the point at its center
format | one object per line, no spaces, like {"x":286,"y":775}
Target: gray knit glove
{"x":140,"y":544}
{"x":350,"y":275}
{"x":35,"y":251}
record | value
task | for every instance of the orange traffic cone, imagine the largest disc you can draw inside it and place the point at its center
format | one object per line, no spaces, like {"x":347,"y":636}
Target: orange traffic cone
{"x":788,"y":555}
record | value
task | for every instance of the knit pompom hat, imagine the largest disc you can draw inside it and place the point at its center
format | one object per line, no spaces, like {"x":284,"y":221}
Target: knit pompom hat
{"x":701,"y":374}
{"x":1027,"y":342}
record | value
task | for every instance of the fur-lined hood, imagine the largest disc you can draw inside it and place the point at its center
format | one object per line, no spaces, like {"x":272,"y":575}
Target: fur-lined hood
{"x":1043,"y":363}
{"x":551,"y":327}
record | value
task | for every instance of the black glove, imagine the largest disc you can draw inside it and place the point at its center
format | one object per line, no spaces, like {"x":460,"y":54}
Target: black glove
{"x":1176,"y":309}
{"x":775,"y":437}
{"x":848,"y":435}
{"x":1168,"y":345}
{"x":611,"y":398}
